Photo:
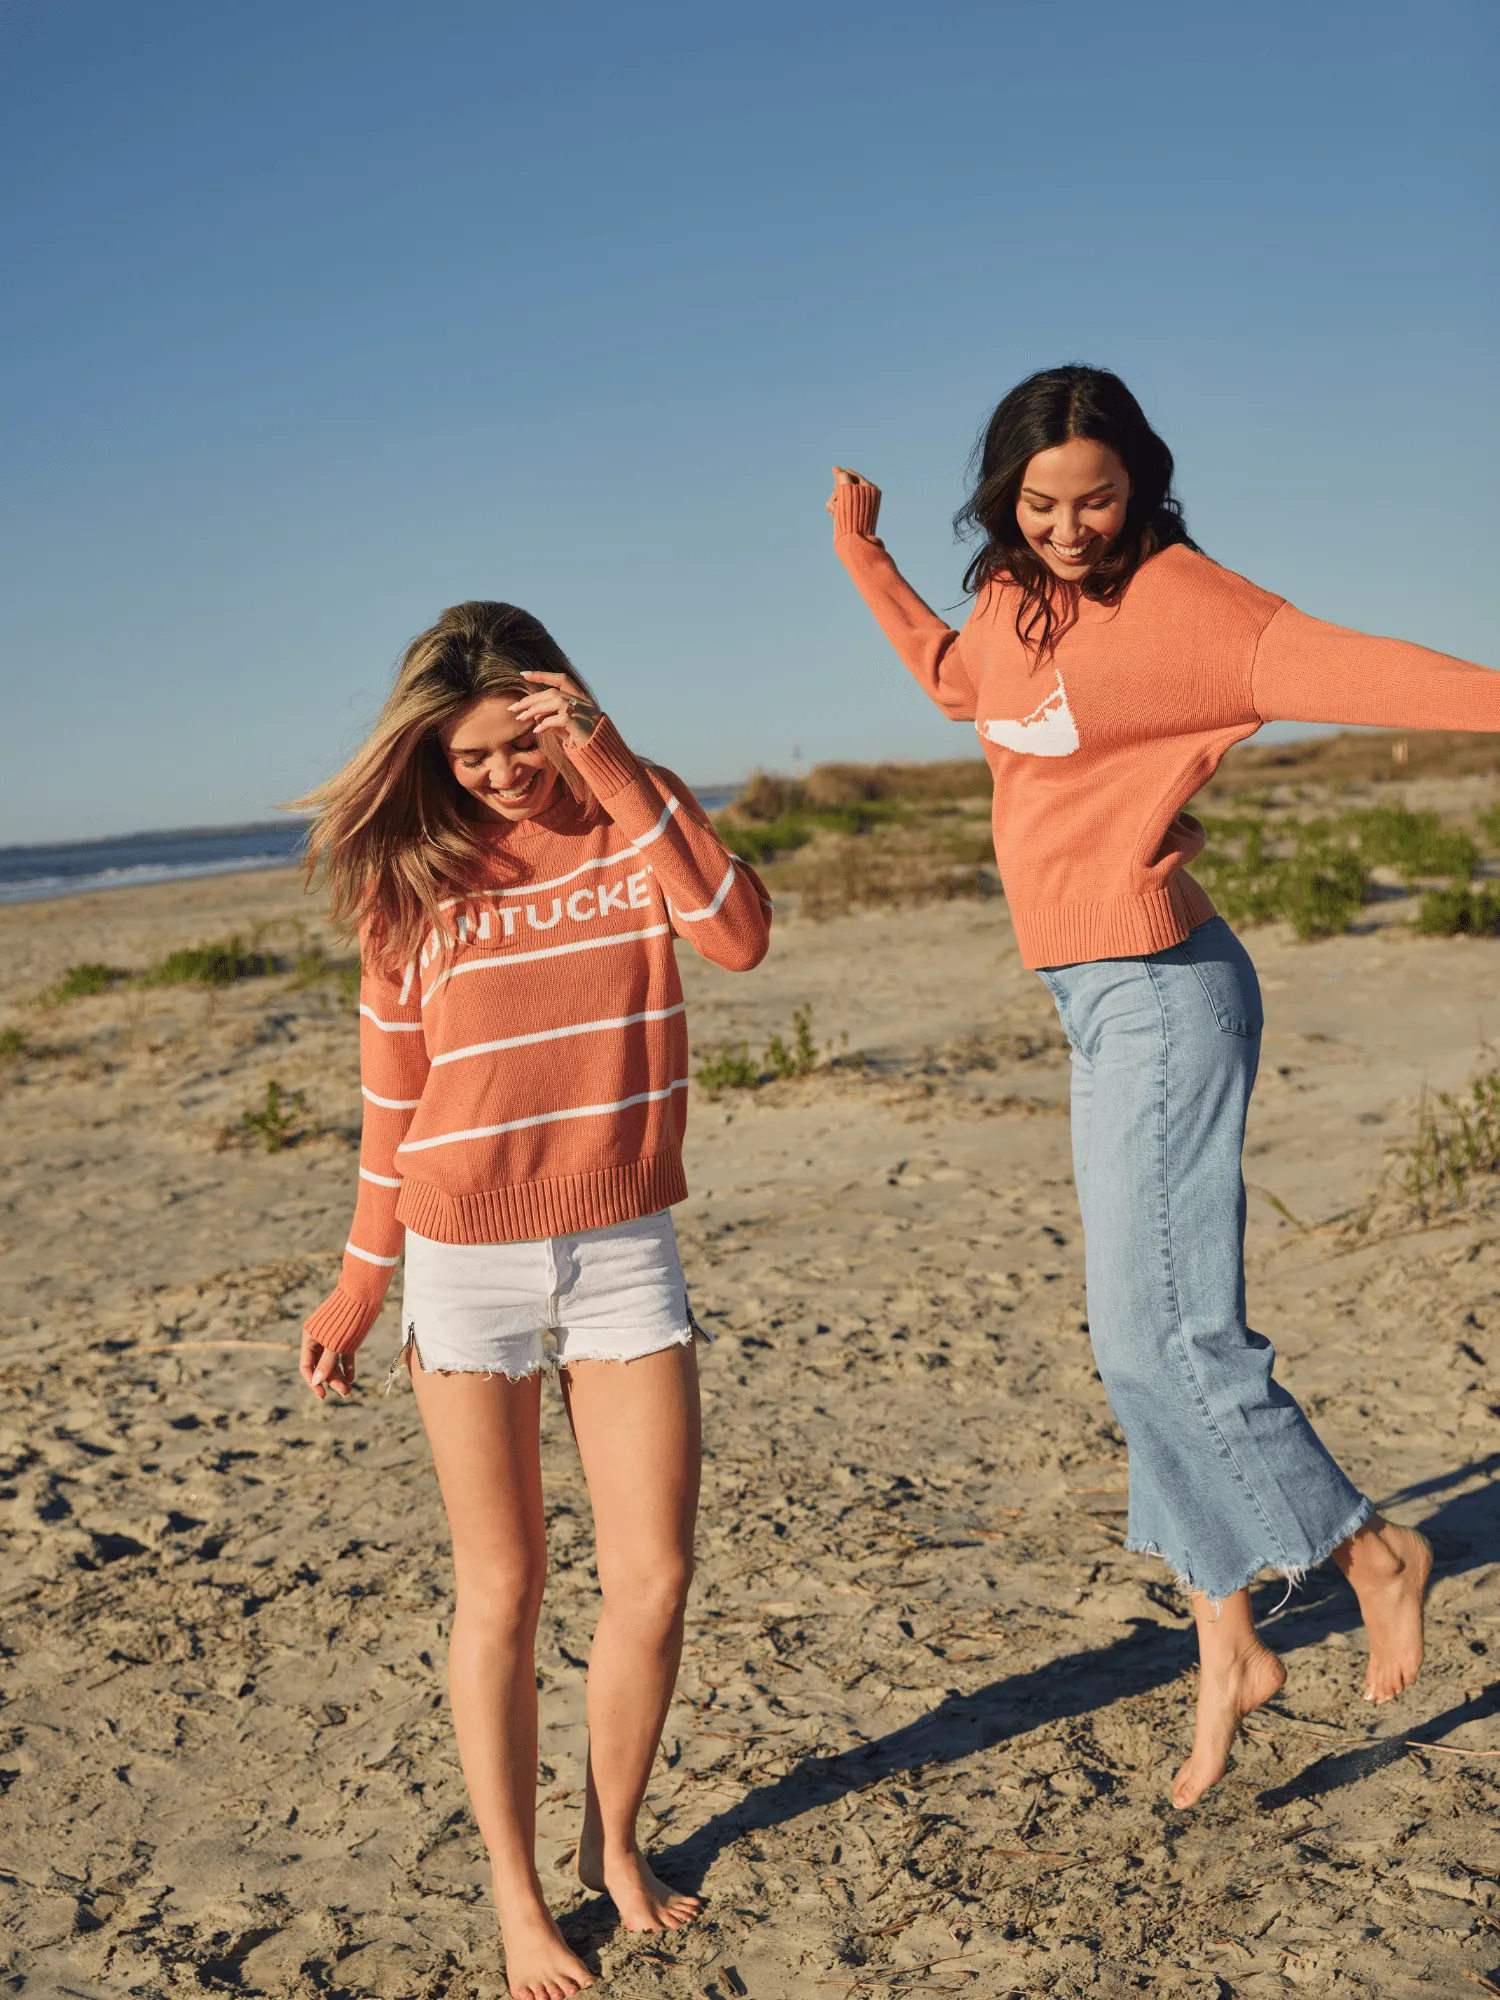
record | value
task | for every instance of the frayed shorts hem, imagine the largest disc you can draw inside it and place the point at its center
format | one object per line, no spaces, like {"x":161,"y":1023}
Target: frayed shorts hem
{"x":544,"y":1363}
{"x":1291,"y":1573}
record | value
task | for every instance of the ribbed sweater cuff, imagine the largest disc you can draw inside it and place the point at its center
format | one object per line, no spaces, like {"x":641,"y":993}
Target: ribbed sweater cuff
{"x":342,"y":1321}
{"x":606,"y":760}
{"x":855,"y":510}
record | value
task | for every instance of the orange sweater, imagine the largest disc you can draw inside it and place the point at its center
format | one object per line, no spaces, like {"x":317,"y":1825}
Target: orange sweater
{"x":1096,"y":751}
{"x":527,"y":1076}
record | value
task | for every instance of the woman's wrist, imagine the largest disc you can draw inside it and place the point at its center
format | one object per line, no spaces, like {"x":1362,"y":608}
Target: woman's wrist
{"x":855,"y":509}
{"x":605,"y":760}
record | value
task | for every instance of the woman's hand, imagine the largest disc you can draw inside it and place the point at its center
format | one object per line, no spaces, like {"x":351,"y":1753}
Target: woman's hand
{"x":842,"y":476}
{"x":558,"y":708}
{"x":323,"y":1368}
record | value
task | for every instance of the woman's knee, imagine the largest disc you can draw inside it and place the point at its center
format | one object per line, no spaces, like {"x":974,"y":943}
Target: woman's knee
{"x":502,"y":1598}
{"x":654,"y":1595}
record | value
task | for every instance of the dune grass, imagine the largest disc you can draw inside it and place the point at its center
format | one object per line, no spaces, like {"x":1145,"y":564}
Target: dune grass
{"x":209,"y":965}
{"x":81,"y":982}
{"x":1457,"y":1144}
{"x":313,"y":968}
{"x":1461,"y":912}
{"x":1317,"y":873}
{"x":732,"y":1067}
{"x":867,"y":835}
{"x":216,"y":964}
{"x":277,"y":1121}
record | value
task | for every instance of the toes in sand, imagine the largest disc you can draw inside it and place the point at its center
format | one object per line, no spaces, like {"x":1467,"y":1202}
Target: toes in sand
{"x":1225,"y":1697}
{"x":1390,"y":1568}
{"x":644,"y":1901}
{"x":538,"y":1964}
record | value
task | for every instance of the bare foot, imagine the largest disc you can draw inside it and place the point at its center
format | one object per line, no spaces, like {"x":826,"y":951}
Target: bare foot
{"x":538,"y":1965}
{"x":644,"y":1901}
{"x":1389,"y":1568}
{"x":1229,"y":1689}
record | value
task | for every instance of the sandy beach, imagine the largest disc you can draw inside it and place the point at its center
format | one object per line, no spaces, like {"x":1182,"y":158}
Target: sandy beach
{"x":929,"y":1708}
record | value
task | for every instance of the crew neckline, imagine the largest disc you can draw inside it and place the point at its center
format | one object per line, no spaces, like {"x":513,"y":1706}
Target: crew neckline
{"x":565,"y":815}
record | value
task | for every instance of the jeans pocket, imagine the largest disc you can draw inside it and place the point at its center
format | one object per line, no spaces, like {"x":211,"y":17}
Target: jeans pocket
{"x":1060,"y":1001}
{"x":1227,"y":977}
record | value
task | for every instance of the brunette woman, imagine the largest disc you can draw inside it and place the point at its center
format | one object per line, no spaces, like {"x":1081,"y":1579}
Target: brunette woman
{"x":518,"y":878}
{"x":1107,"y":665}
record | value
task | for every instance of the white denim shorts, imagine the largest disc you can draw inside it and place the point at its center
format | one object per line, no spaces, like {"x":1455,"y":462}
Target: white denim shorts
{"x":611,"y":1294}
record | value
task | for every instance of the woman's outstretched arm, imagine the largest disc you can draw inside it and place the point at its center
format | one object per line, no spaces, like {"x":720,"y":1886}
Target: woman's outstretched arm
{"x":1308,"y":671}
{"x":929,"y":647}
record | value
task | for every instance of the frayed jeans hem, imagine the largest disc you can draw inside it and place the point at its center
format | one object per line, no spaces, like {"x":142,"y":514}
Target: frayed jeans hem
{"x":549,"y":1364}
{"x":1291,"y":1573}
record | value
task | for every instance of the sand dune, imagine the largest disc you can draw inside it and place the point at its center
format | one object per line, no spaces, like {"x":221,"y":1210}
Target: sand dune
{"x":929,"y":1707}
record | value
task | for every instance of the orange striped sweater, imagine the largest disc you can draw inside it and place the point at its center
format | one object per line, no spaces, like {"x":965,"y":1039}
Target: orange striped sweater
{"x":1096,"y":752}
{"x":527,"y":1076}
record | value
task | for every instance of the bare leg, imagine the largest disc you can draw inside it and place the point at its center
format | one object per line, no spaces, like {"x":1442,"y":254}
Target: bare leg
{"x":1236,"y":1673}
{"x":637,"y":1425}
{"x":1389,"y":1568}
{"x":484,"y":1437}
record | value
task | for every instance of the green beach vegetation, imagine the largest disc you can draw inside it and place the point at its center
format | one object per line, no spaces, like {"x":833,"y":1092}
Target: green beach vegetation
{"x":1281,"y":844}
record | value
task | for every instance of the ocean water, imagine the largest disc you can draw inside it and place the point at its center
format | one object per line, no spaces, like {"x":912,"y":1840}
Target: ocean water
{"x":78,"y":867}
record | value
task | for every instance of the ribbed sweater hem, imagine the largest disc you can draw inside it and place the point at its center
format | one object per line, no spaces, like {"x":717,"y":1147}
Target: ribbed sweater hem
{"x":533,"y":1209}
{"x":1117,"y":927}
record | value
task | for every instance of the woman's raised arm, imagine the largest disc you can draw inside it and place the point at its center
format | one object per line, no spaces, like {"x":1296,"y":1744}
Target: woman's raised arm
{"x":714,"y":899}
{"x":929,"y":647}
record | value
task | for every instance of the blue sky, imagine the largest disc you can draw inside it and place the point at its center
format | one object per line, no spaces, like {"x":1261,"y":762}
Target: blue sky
{"x":321,"y":316}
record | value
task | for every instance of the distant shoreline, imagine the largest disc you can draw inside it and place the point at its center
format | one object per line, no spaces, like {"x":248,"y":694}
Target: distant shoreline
{"x":43,"y":871}
{"x":243,"y":829}
{"x":237,"y":830}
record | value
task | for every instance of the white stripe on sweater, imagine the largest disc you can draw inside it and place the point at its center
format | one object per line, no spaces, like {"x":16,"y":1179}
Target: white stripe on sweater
{"x":556,"y":882}
{"x":391,"y":1027}
{"x":657,"y":831}
{"x":550,"y":951}
{"x":711,"y":909}
{"x":380,"y":1180}
{"x":560,"y":1034}
{"x":542,"y":1118}
{"x":368,"y":1256}
{"x":602,"y":861}
{"x":390,"y":1103}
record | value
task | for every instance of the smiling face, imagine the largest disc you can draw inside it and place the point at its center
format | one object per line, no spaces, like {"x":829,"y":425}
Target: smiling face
{"x":1071,"y":505}
{"x":499,"y":761}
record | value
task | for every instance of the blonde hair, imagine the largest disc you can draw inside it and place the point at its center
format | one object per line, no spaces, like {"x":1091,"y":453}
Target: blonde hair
{"x":391,"y":839}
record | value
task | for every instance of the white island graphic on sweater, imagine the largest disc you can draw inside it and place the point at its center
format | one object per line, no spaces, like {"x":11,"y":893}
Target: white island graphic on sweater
{"x":1049,"y":730}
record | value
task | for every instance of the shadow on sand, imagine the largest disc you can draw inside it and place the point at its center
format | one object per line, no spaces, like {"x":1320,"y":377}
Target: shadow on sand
{"x":1464,"y":1531}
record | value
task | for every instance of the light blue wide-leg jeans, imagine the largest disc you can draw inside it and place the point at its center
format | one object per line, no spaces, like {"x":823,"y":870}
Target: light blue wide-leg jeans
{"x":1227,"y":1476}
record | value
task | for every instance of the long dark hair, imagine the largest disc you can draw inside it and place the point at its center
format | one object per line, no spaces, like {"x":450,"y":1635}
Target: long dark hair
{"x":1048,"y":409}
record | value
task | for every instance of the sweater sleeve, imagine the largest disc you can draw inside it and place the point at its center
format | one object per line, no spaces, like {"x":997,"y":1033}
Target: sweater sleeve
{"x":714,"y":899}
{"x":932,"y":650}
{"x":393,"y":1067}
{"x":1307,"y":671}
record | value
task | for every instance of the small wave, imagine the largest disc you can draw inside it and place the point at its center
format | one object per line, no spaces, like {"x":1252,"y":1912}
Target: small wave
{"x":41,"y":888}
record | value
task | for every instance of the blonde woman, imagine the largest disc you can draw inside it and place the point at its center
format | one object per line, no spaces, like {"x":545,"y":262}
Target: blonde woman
{"x":518,"y":878}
